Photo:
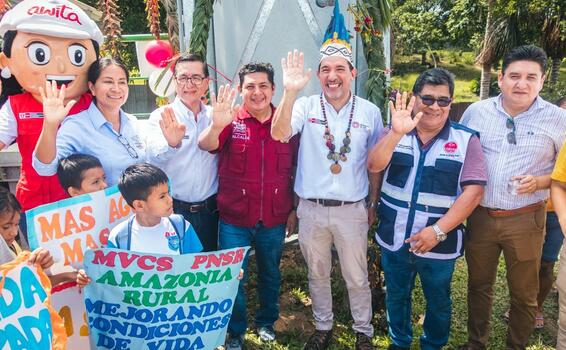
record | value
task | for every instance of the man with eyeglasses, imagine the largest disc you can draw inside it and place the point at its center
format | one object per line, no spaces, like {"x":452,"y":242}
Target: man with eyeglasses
{"x":520,"y":135}
{"x":434,"y":178}
{"x":193,"y":172}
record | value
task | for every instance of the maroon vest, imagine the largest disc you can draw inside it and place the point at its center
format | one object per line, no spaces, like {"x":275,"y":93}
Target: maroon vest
{"x":255,"y":174}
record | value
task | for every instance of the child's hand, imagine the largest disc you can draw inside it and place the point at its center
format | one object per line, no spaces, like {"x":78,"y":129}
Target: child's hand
{"x":41,"y":257}
{"x":82,"y":278}
{"x":241,"y":275}
{"x":63,"y":277}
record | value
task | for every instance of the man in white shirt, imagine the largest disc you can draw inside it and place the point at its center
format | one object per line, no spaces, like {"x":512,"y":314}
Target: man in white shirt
{"x":337,"y":131}
{"x":192,"y":172}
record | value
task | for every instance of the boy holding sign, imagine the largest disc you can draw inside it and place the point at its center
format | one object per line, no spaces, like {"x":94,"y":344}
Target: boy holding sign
{"x":154,"y":229}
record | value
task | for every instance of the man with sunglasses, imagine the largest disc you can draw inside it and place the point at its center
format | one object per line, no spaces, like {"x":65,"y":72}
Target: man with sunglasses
{"x":521,"y":135}
{"x":193,"y":173}
{"x":434,"y":178}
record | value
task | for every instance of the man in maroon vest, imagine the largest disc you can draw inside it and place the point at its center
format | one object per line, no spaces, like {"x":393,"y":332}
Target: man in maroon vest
{"x":255,"y":196}
{"x":55,"y":41}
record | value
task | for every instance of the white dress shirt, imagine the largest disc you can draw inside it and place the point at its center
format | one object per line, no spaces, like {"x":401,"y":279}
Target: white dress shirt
{"x":540,"y":132}
{"x":193,"y":172}
{"x":89,"y":132}
{"x":314,"y":179}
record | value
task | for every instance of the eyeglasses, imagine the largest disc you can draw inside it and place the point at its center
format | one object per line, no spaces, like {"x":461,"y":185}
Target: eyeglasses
{"x":195,"y":80}
{"x":131,"y":151}
{"x":511,"y":137}
{"x":429,"y":100}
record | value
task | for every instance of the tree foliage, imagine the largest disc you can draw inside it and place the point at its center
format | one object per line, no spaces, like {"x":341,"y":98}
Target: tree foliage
{"x":419,"y":25}
{"x":201,"y":26}
{"x":111,"y":27}
{"x":466,"y":23}
{"x":372,"y":17}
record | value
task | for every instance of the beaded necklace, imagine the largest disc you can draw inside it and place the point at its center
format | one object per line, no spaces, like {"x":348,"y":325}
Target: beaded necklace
{"x":336,"y":157}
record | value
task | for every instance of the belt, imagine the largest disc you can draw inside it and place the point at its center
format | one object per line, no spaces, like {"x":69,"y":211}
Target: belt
{"x":330,"y":202}
{"x":195,"y":207}
{"x":501,"y":213}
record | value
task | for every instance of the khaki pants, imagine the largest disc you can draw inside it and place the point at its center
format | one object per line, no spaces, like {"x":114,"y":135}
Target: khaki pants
{"x":345,"y":226}
{"x":561,"y":284}
{"x":520,"y":237}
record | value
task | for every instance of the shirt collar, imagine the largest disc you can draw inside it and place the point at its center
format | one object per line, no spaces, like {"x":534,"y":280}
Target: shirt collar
{"x":498,"y":103}
{"x":443,"y":134}
{"x":185,"y":109}
{"x":244,"y":114}
{"x":347,"y":105}
{"x":98,"y":119}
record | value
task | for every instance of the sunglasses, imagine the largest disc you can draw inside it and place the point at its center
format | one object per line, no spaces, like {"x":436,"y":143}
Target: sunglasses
{"x":511,"y":137}
{"x":429,"y":100}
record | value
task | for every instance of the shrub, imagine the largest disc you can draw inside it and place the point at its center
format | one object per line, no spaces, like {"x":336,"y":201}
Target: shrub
{"x":493,"y":88}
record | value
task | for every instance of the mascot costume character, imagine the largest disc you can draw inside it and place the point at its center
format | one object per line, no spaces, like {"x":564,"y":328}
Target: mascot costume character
{"x":42,"y":40}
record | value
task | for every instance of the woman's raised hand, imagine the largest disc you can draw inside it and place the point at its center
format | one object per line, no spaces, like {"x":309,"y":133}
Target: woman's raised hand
{"x":54,"y":108}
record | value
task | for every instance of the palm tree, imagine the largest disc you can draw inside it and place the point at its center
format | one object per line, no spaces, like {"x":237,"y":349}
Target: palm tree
{"x":201,"y":25}
{"x":486,"y":57}
{"x":553,"y":41}
{"x":172,"y":23}
{"x":111,"y":23}
{"x":501,"y":34}
{"x":379,"y":13}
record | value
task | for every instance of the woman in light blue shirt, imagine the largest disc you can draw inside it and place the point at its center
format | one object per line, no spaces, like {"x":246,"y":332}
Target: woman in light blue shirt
{"x":104,"y":130}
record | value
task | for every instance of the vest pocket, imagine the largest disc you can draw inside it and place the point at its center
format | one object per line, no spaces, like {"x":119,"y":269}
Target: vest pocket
{"x":399,"y":169}
{"x":386,"y":227}
{"x":282,"y":201}
{"x":232,"y":201}
{"x":237,"y":162}
{"x":284,"y":158}
{"x":446,"y":175}
{"x":450,"y":244}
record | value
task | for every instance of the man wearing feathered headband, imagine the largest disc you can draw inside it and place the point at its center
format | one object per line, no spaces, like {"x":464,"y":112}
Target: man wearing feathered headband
{"x":43,"y":40}
{"x":337,"y":130}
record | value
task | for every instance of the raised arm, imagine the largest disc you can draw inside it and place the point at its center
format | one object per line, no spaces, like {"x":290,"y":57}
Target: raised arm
{"x":295,"y":78}
{"x":402,"y":122}
{"x":222,"y":115}
{"x":54,"y":112}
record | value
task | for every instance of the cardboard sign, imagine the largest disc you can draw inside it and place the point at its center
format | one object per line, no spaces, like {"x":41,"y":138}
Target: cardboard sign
{"x":67,"y":301}
{"x":159,"y":302}
{"x":69,"y":227}
{"x":27,"y":320}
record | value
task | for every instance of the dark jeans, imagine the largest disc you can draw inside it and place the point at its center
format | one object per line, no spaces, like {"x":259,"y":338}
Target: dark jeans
{"x":268,"y":245}
{"x":401,"y":268}
{"x":204,"y":221}
{"x":553,"y":238}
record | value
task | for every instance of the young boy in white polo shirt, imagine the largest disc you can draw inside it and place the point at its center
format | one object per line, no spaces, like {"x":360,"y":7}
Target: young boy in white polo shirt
{"x":153,"y":228}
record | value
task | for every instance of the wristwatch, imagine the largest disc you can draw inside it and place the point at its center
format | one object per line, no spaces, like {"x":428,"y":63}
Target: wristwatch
{"x":440,"y":236}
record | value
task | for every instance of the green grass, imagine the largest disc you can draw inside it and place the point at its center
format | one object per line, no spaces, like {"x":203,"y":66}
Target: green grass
{"x":295,"y":324}
{"x":406,"y":69}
